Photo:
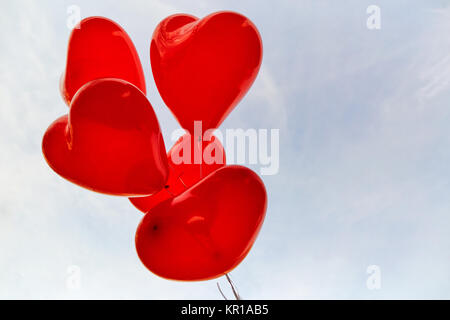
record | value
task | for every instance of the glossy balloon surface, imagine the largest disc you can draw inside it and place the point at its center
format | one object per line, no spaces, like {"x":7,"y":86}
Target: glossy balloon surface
{"x":203,"y":67}
{"x":185,"y":174}
{"x":207,"y":230}
{"x":99,"y":48}
{"x":110,"y":142}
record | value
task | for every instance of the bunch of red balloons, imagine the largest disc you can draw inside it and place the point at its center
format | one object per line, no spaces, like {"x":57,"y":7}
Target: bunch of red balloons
{"x":201,"y":218}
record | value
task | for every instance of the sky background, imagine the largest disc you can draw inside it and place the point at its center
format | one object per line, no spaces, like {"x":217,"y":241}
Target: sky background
{"x":364,"y":155}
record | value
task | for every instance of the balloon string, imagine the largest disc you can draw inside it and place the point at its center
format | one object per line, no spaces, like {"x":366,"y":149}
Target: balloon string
{"x":220,"y":290}
{"x":181,"y":180}
{"x":200,"y":147}
{"x":233,"y":288}
{"x":170,"y":193}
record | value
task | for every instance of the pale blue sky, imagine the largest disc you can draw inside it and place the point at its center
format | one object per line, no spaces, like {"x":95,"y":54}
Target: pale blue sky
{"x":364,"y":156}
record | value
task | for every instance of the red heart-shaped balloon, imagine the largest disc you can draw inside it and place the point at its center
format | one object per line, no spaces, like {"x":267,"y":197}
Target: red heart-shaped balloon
{"x":99,"y":48}
{"x":185,"y":174}
{"x":207,"y":230}
{"x":203,"y":68}
{"x":110,"y":142}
